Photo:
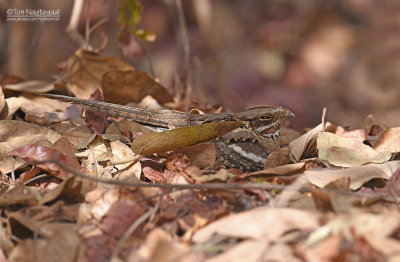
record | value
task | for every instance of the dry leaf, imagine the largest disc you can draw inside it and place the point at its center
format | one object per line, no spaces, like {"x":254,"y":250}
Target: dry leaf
{"x":79,"y":136}
{"x":254,"y":224}
{"x":389,"y":140}
{"x":38,"y":153}
{"x":300,"y":145}
{"x":289,"y":169}
{"x":132,"y":86}
{"x":357,"y":176}
{"x":14,"y":134}
{"x":160,"y":246}
{"x":85,"y":71}
{"x":96,"y":120}
{"x":278,"y":158}
{"x":346,"y":152}
{"x":34,"y":86}
{"x":358,"y":134}
{"x":181,"y":137}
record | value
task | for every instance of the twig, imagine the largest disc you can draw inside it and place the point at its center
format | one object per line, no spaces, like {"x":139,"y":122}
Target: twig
{"x":211,"y":186}
{"x":186,"y":52}
{"x":13,"y":170}
{"x":323,"y":118}
{"x":73,"y":23}
{"x":35,"y":178}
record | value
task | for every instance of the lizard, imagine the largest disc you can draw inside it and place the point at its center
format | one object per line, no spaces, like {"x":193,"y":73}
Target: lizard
{"x":244,"y":148}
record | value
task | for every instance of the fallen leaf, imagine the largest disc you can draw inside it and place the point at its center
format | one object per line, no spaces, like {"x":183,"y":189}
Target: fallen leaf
{"x":19,"y":195}
{"x":252,"y":224}
{"x":62,"y":243}
{"x":33,"y":86}
{"x":389,"y":140}
{"x":358,"y":134}
{"x":289,"y":169}
{"x":181,"y":137}
{"x":278,"y":158}
{"x":122,"y":87}
{"x":357,"y":175}
{"x":160,"y":246}
{"x":85,"y":71}
{"x":346,"y":152}
{"x":46,"y":157}
{"x":301,"y":144}
{"x":96,"y":120}
{"x":14,"y":134}
{"x":79,"y":136}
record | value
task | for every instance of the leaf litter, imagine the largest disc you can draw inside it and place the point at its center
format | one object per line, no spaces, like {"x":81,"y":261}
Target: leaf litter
{"x":219,"y":224}
{"x":100,"y":188}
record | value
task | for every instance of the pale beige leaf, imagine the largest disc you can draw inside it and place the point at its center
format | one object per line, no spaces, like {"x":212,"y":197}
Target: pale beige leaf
{"x":346,"y":152}
{"x":122,"y":152}
{"x":389,"y":141}
{"x":357,"y":176}
{"x":160,"y":246}
{"x":33,"y":86}
{"x":256,"y":224}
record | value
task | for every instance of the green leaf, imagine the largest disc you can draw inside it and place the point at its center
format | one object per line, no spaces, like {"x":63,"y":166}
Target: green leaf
{"x":181,"y":137}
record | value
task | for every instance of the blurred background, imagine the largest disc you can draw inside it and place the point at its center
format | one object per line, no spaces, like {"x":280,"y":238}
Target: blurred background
{"x":304,"y":55}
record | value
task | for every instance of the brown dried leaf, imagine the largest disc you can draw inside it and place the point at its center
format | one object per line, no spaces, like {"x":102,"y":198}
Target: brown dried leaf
{"x":79,"y":136}
{"x":389,"y":140}
{"x":289,"y":169}
{"x":154,"y":175}
{"x":278,"y":158}
{"x":96,"y":120}
{"x":38,"y":153}
{"x":62,"y":242}
{"x":181,"y":137}
{"x":301,"y":144}
{"x":66,"y":148}
{"x":357,"y":176}
{"x":14,"y":134}
{"x":120,"y":216}
{"x":346,"y":152}
{"x":123,"y":87}
{"x":19,"y":195}
{"x":85,"y":71}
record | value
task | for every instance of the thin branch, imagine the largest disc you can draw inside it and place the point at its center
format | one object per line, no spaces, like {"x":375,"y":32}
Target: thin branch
{"x":186,"y":52}
{"x":129,"y":232}
{"x":214,"y":186}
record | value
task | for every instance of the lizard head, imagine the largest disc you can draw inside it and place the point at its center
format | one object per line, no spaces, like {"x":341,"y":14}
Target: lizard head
{"x":265,"y":121}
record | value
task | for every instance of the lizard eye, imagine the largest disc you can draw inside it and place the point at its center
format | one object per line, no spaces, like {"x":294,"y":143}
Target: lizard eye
{"x":265,"y":117}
